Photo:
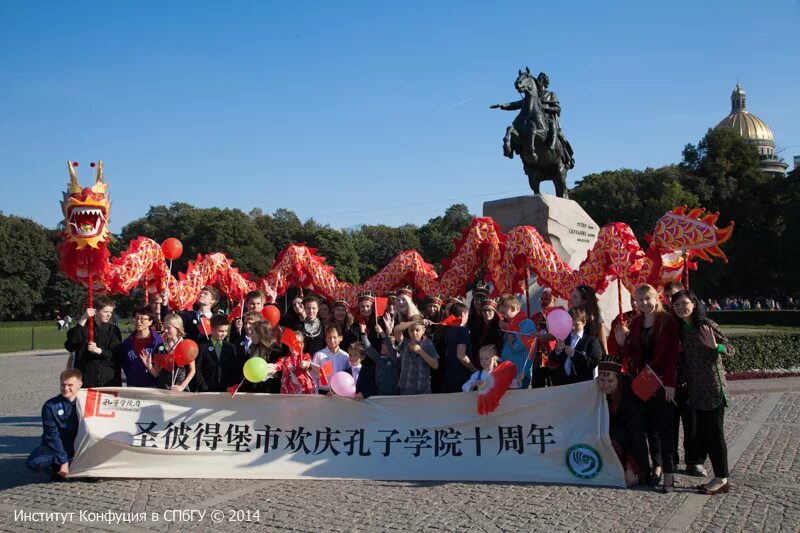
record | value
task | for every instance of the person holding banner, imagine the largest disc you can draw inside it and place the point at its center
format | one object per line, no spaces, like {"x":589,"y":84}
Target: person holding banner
{"x":626,"y":425}
{"x":60,"y":427}
{"x":329,"y":360}
{"x":177,"y":378}
{"x":651,"y":345}
{"x":96,"y":360}
{"x":704,"y":345}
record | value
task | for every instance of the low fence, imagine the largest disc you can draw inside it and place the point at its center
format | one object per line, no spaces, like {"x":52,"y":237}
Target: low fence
{"x":19,"y":338}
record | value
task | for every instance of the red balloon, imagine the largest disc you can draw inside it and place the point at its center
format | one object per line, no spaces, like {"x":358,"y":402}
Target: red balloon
{"x":172,"y":248}
{"x":271,"y":314}
{"x":185,"y":352}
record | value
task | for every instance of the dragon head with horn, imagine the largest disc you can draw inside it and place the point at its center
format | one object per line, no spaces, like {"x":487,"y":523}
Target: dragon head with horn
{"x":83,"y":247}
{"x":86,"y":210}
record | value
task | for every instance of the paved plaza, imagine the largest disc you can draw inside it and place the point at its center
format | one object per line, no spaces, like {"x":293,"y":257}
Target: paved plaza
{"x":762,"y":426}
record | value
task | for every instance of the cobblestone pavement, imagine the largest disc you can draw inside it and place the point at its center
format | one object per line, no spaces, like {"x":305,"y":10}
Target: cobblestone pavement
{"x":762,"y":425}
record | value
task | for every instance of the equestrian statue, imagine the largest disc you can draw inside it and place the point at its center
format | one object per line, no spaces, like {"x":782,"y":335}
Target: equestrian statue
{"x":535,"y":135}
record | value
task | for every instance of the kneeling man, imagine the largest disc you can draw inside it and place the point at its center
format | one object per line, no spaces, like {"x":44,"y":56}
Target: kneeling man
{"x":60,"y":425}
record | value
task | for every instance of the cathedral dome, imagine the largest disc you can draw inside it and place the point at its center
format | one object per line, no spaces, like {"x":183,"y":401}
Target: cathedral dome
{"x":747,"y":125}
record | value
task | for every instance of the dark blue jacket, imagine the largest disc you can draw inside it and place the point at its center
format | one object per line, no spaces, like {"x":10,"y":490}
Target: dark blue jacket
{"x":60,"y":425}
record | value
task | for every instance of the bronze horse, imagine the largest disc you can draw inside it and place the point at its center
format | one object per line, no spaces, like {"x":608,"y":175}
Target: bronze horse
{"x":530,"y":136}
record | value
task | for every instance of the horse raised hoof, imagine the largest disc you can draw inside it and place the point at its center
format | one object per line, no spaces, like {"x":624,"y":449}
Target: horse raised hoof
{"x":508,"y":152}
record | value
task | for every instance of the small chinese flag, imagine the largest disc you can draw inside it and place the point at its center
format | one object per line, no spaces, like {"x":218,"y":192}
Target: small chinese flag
{"x":205,"y":324}
{"x":233,"y":389}
{"x":451,"y":320}
{"x":325,"y":371}
{"x":289,"y":338}
{"x":380,"y":305}
{"x":645,"y":384}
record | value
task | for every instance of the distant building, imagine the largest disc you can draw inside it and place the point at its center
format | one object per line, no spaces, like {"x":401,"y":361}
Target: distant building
{"x":755,"y":131}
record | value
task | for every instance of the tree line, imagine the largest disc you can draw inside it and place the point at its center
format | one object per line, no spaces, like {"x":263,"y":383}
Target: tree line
{"x":720,"y":173}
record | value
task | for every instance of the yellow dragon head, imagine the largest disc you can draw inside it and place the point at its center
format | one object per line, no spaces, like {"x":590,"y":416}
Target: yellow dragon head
{"x":86,"y":211}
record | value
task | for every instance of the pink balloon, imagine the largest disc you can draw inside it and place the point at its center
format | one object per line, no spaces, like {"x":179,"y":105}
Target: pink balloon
{"x":343,"y":384}
{"x":559,"y":324}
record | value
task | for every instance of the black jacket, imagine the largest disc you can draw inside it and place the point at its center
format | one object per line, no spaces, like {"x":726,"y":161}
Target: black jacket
{"x":99,"y":370}
{"x":584,"y":361}
{"x":216,"y":372}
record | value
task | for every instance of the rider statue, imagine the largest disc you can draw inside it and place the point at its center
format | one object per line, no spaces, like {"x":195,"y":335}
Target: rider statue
{"x":535,"y":135}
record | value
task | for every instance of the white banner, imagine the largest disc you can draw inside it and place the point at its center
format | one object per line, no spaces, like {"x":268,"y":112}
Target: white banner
{"x":555,"y":435}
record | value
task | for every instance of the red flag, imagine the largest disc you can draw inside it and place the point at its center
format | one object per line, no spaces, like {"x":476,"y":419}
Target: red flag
{"x":236,"y":313}
{"x":451,"y":320}
{"x":205,"y":325}
{"x":233,"y":389}
{"x":325,"y":371}
{"x":290,"y":340}
{"x":645,"y":384}
{"x":380,"y":305}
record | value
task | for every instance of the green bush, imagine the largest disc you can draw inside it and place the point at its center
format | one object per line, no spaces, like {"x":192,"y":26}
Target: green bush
{"x":763,"y":351}
{"x":755,"y":318}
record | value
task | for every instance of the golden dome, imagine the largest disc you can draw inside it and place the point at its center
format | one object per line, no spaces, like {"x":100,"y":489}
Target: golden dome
{"x":749,"y":126}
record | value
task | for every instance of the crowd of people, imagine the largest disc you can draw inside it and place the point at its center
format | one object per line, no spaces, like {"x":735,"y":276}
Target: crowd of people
{"x":434,"y":346}
{"x":736,"y":303}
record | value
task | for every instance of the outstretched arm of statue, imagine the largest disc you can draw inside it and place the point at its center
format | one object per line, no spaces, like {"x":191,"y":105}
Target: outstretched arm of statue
{"x":511,"y":106}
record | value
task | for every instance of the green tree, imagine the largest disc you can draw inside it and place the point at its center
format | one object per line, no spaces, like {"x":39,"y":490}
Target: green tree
{"x":637,"y":197}
{"x":724,"y":174}
{"x":24,"y":266}
{"x":206,"y":230}
{"x":437,"y":237}
{"x":377,"y":245}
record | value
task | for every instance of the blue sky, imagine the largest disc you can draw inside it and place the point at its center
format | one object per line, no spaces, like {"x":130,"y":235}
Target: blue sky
{"x":364,"y":112}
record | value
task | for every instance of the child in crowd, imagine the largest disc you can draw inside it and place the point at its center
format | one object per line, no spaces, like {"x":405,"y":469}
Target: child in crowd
{"x":324,"y":311}
{"x":312,"y":327}
{"x":265,"y":346}
{"x":363,"y":375}
{"x":296,"y":313}
{"x":340,"y":316}
{"x":387,"y":365}
{"x":487,"y":330}
{"x":488,"y":359}
{"x":178,"y":378}
{"x":585,"y":298}
{"x":417,"y":357}
{"x":295,"y":378}
{"x":542,"y":366}
{"x":197,"y":323}
{"x":329,"y":360}
{"x":253,"y":303}
{"x":243,"y":346}
{"x":458,"y":351}
{"x":513,"y":348}
{"x":219,"y":364}
{"x":577,"y":355}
